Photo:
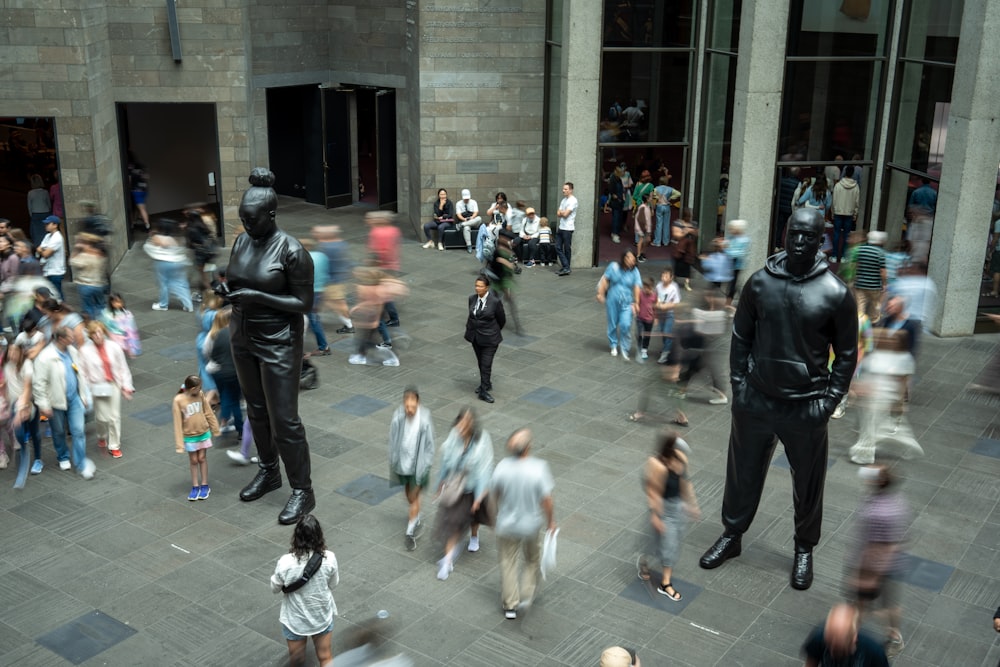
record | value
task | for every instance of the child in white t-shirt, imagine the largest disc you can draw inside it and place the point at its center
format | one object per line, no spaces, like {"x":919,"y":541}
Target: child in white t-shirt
{"x":667,"y":298}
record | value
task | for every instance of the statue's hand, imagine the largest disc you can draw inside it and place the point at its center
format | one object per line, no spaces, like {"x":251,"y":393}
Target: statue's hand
{"x":243,"y":296}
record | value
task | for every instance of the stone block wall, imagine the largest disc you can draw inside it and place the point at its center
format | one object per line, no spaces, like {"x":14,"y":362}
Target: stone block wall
{"x":482,"y":88}
{"x":214,"y":69}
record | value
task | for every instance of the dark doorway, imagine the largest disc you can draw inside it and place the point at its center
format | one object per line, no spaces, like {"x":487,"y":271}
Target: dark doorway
{"x":337,"y":147}
{"x":27,"y":149}
{"x":295,"y":141}
{"x":376,"y":134}
{"x":178,"y":147}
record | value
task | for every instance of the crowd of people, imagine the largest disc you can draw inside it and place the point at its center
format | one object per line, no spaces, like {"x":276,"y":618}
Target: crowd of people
{"x":62,"y":364}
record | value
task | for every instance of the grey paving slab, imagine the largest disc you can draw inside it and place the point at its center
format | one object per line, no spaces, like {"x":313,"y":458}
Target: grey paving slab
{"x":84,"y":637}
{"x":548,"y":396}
{"x":645,"y":593}
{"x":159,"y":415}
{"x":927,"y":573}
{"x":360,"y":406}
{"x":370,"y":489}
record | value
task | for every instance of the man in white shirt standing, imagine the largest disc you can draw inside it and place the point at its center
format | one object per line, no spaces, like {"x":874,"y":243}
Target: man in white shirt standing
{"x":52,"y":254}
{"x":522,"y":488}
{"x":567,"y":223}
{"x":467,"y":218}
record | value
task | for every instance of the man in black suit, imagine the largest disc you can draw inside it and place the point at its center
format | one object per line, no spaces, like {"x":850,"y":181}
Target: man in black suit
{"x":482,"y":329}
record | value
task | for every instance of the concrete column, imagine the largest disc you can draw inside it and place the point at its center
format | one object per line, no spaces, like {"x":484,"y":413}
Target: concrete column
{"x":968,"y":177}
{"x":756,"y":120}
{"x":578,"y":114}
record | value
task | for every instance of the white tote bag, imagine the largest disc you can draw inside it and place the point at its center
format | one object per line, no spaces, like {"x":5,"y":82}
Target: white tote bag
{"x":549,"y":552}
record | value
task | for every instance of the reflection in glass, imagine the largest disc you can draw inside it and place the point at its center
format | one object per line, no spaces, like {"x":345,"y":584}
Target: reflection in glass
{"x":831,"y":29}
{"x":724,"y":25}
{"x":933,"y":30}
{"x":834,"y":119}
{"x":644,"y":96}
{"x":712,"y":190}
{"x":922,"y":112}
{"x":648,"y":23}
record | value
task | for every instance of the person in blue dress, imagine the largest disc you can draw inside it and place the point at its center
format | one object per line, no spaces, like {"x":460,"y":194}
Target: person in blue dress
{"x":619,"y":290}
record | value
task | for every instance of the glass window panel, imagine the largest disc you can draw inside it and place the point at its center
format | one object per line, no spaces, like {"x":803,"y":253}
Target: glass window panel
{"x":649,"y":23}
{"x":838,"y":27}
{"x":724,"y":26}
{"x":829,"y":109}
{"x":933,"y":30}
{"x":651,"y":90}
{"x":921,"y":117}
{"x":555,"y":27}
{"x":717,"y":134}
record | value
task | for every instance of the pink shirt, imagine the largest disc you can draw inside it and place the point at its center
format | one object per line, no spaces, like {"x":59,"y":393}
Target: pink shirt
{"x":383,"y":242}
{"x":646,"y":301}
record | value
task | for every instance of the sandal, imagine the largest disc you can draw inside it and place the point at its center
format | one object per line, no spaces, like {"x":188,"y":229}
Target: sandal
{"x":679,"y":422}
{"x":664,"y":589}
{"x":635,"y":417}
{"x":642,"y":567}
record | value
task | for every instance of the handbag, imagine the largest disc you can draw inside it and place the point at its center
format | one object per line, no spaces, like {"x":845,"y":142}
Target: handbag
{"x":549,"y":552}
{"x":102,"y":389}
{"x":311,"y":568}
{"x":452,"y":489}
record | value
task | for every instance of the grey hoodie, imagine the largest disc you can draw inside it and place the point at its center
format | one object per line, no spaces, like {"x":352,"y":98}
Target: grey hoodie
{"x":846,"y":196}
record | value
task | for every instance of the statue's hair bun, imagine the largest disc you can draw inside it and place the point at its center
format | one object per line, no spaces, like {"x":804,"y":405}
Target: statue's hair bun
{"x":261,"y":177}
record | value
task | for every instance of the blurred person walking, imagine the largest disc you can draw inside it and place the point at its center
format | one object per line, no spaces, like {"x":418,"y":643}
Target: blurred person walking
{"x":670,"y":497}
{"x":169,"y":261}
{"x":106,"y":369}
{"x":411,"y":453}
{"x":90,"y":273}
{"x":339,"y":264}
{"x":62,"y":396}
{"x":521,"y":487}
{"x":839,"y":642}
{"x":218,"y":350}
{"x":462,"y":483}
{"x":321,"y":272}
{"x":877,"y":566}
{"x":384,"y":238}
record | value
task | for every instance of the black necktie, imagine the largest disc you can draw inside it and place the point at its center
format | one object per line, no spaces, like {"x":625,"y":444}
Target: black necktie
{"x":479,"y":306}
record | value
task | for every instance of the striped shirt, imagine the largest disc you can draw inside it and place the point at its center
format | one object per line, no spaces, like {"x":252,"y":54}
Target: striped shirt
{"x":871,"y":261}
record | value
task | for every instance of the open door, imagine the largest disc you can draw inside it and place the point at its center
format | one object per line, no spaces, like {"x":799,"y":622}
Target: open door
{"x":385,"y":120}
{"x":337,"y":148}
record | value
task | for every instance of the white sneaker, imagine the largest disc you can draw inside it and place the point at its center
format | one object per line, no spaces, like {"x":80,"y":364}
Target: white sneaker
{"x":391,"y":361}
{"x":357,"y":359}
{"x":157,"y":306}
{"x":88,"y":470}
{"x":444,"y":569}
{"x":429,"y":244}
{"x":720,"y":400}
{"x":440,"y":246}
{"x":615,"y":238}
{"x":474,"y":544}
{"x":614,"y":352}
{"x":237,"y":457}
{"x":65,"y":465}
{"x":625,"y":355}
{"x":644,"y":354}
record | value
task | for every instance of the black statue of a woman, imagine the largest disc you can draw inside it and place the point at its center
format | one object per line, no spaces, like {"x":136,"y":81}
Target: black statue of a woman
{"x":269,"y":281}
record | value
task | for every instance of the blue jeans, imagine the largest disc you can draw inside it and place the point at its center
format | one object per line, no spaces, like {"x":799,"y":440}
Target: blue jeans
{"x":662,"y":222}
{"x":842,"y":225}
{"x":617,"y":217}
{"x":93,"y":300}
{"x":620,"y":322}
{"x":664,"y":326}
{"x":72,"y":416}
{"x":390,"y":311}
{"x":172,"y":277}
{"x":29,"y":429}
{"x":564,"y":247}
{"x":229,"y":401}
{"x":314,"y":324}
{"x":57,"y":283}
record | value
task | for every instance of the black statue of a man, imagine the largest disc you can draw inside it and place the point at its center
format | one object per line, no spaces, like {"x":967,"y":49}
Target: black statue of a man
{"x":270,"y":284}
{"x":790,"y":315}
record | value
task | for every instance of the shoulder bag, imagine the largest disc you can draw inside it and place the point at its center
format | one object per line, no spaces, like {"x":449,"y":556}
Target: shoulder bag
{"x":311,"y":568}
